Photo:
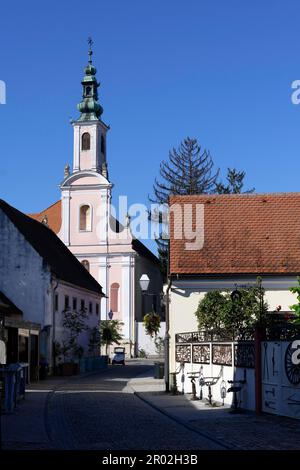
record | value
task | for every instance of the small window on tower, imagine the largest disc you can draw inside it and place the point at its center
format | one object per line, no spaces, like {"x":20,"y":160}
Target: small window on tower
{"x":86,"y":141}
{"x":88,"y":90}
{"x":85,"y":218}
{"x":102,"y":144}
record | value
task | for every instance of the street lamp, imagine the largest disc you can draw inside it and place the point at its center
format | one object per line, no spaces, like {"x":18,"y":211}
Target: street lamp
{"x":110,"y":314}
{"x":144,"y":282}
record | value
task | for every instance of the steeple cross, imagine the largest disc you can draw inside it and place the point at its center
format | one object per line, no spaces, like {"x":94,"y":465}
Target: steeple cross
{"x":90,"y":43}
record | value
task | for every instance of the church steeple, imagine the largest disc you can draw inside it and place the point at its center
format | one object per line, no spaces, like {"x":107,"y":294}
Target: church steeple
{"x":89,"y":129}
{"x":89,"y":107}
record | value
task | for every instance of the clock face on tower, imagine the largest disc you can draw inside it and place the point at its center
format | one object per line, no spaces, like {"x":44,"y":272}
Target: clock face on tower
{"x":292,"y":364}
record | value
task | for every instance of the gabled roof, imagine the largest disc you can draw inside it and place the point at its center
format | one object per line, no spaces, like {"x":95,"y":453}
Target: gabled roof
{"x":243,"y":234}
{"x":7,"y":306}
{"x":62,"y":263}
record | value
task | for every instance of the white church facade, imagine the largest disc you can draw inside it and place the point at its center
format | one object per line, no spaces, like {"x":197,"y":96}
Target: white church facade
{"x":84,"y":221}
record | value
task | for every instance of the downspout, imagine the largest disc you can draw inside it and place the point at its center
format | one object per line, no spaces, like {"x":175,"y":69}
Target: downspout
{"x":167,"y":337}
{"x":53,"y":326}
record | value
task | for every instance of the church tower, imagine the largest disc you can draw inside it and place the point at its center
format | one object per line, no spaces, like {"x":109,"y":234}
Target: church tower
{"x":86,"y":189}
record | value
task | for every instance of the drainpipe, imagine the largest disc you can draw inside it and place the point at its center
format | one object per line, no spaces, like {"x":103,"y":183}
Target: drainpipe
{"x":167,"y":337}
{"x":53,"y":325}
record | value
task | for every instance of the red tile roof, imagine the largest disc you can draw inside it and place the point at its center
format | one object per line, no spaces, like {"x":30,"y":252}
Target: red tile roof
{"x":243,"y":234}
{"x":53,"y":214}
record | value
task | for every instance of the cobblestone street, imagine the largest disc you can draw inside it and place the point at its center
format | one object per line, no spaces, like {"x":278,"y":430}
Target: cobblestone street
{"x":95,"y":412}
{"x":124,"y":408}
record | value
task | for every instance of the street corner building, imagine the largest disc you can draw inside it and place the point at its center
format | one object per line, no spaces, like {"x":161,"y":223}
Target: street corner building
{"x":83,"y":219}
{"x":39,"y":279}
{"x":243,"y":237}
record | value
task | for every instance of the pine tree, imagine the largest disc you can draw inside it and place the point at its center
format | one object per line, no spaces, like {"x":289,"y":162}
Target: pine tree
{"x":235,"y":183}
{"x":189,"y":170}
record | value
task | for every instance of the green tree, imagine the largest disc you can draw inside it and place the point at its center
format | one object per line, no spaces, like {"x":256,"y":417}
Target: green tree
{"x":234,"y":183}
{"x":110,"y":332}
{"x":296,"y":307}
{"x":224,"y":310}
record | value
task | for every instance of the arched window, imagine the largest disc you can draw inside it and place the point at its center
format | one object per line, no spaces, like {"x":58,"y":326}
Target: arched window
{"x":85,"y":141}
{"x":102,"y":144}
{"x":86,"y":264}
{"x":85,"y":218}
{"x":114,"y":297}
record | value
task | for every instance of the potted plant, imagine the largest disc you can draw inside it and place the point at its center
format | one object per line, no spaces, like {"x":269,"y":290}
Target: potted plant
{"x":151,"y":323}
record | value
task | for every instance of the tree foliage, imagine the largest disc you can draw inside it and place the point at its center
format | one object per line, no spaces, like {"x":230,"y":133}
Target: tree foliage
{"x":296,"y":307}
{"x":74,"y":323}
{"x":223,"y":310}
{"x":110,"y":332}
{"x":234,"y":183}
{"x":151,"y":323}
{"x":189,"y":170}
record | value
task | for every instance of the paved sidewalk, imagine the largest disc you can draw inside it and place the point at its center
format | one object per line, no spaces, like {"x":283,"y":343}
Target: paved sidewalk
{"x":242,"y":431}
{"x":25,"y":428}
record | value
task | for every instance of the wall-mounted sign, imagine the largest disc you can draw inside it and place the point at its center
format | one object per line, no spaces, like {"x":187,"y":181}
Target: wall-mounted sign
{"x":292,"y":362}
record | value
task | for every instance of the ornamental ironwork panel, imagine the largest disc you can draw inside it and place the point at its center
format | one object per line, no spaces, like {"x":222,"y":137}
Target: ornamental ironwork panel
{"x":244,"y":355}
{"x":192,"y":337}
{"x":282,"y":332}
{"x":201,"y":353}
{"x":183,"y":353}
{"x":222,"y":354}
{"x":217,"y":335}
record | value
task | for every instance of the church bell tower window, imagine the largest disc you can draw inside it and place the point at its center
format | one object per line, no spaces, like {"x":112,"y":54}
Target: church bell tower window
{"x":85,"y":141}
{"x":85,"y":218}
{"x":102,"y":144}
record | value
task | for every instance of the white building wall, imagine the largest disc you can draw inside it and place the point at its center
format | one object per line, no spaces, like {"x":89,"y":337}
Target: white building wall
{"x":23,"y":277}
{"x":146,"y":342}
{"x":186,"y":294}
{"x":93,"y":320}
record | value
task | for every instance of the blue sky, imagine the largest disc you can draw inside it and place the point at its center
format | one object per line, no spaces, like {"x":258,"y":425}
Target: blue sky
{"x":220,"y":71}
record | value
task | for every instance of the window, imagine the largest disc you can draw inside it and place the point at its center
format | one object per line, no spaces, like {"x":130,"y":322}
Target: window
{"x":88,"y":90}
{"x":66,"y":302}
{"x":85,"y":219}
{"x":85,"y":141}
{"x":82,"y":304}
{"x":102,"y":144}
{"x":97,"y":309}
{"x":56,"y":302}
{"x":86,"y":264}
{"x":90,"y":307}
{"x":114,"y":297}
{"x":74,"y":303}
